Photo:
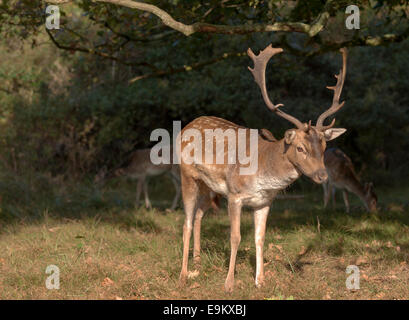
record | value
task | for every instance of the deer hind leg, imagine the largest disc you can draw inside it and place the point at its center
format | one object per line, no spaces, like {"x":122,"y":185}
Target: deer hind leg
{"x":148,"y":204}
{"x":139,"y":187}
{"x":204,"y":203}
{"x":260,"y":220}
{"x":346,"y":201}
{"x":234,"y":208}
{"x":176,"y":183}
{"x":215,"y":202}
{"x":190,"y":192}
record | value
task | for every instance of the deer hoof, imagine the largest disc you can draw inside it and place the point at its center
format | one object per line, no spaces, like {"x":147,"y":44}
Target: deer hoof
{"x":259,"y":282}
{"x":182,"y":279}
{"x":229,"y":286}
{"x":196,"y":260}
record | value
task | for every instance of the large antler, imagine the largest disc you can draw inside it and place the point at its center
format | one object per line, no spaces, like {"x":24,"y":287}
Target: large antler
{"x":259,"y":74}
{"x":337,"y":94}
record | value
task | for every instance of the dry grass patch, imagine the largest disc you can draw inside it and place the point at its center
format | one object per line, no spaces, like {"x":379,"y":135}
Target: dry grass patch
{"x":131,"y":253}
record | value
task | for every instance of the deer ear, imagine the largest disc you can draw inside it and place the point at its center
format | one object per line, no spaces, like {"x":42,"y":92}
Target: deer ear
{"x":333,"y":133}
{"x":289,"y":136}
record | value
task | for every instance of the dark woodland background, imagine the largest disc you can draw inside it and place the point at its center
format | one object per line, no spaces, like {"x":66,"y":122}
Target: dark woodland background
{"x":76,"y":99}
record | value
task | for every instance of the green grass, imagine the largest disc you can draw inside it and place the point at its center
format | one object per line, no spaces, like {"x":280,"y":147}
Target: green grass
{"x":108,"y":249}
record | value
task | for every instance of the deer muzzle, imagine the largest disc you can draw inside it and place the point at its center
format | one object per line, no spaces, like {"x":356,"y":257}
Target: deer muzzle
{"x":320,"y":176}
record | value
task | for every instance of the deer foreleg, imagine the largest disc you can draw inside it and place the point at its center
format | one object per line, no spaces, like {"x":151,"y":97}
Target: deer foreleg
{"x":332,"y":190}
{"x":139,"y":187}
{"x":260,"y":220}
{"x":196,"y":235}
{"x":325,"y":186}
{"x":175,"y":202}
{"x":234,"y":209}
{"x":148,"y":204}
{"x":346,"y":201}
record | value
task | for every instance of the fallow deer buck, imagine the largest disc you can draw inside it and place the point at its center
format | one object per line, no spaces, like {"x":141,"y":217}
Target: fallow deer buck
{"x":280,"y":163}
{"x":139,"y":168}
{"x":341,"y":174}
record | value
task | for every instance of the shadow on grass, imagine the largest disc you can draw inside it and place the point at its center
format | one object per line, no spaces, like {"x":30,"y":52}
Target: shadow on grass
{"x":215,"y":235}
{"x":28,"y":200}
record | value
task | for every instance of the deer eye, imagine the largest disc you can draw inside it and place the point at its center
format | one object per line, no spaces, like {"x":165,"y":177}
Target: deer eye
{"x":299,"y":149}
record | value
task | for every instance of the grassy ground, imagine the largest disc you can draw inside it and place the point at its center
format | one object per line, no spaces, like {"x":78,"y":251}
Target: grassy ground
{"x":110,"y":250}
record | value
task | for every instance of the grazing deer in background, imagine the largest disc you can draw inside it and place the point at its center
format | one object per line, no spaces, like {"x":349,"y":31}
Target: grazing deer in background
{"x":341,"y":174}
{"x":140,"y":167}
{"x":280,"y":163}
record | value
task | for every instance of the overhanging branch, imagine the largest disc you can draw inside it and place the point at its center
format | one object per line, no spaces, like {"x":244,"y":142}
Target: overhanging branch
{"x":154,"y":37}
{"x":187,"y":30}
{"x":312,"y":30}
{"x":191,"y":67}
{"x":97,"y":53}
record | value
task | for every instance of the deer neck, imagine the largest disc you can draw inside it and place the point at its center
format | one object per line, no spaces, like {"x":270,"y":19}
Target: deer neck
{"x":275,"y":166}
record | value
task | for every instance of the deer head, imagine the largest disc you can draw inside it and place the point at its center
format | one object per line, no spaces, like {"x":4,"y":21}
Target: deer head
{"x":305,"y":145}
{"x":371,"y":199}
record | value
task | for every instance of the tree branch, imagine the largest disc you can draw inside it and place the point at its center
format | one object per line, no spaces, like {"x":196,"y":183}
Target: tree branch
{"x":154,"y":37}
{"x":193,"y":66}
{"x":312,"y":30}
{"x":188,"y":30}
{"x":97,"y":53}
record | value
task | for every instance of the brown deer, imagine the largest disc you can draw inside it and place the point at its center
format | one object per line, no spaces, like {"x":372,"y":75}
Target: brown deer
{"x":139,"y":168}
{"x":280,"y":163}
{"x":341,"y":175}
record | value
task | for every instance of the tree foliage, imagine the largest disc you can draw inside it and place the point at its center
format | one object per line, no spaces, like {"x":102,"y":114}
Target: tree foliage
{"x":76,"y":99}
{"x":120,"y":29}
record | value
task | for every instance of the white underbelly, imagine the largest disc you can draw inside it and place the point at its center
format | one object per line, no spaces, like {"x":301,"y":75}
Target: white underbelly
{"x":259,"y":199}
{"x":216,"y":186}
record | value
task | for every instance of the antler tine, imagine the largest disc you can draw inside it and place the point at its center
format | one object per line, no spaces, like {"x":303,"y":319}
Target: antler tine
{"x":259,"y":74}
{"x":323,"y":128}
{"x":337,"y":94}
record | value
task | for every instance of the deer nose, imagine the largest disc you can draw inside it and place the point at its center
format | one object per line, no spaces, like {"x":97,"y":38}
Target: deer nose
{"x":321,"y":176}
